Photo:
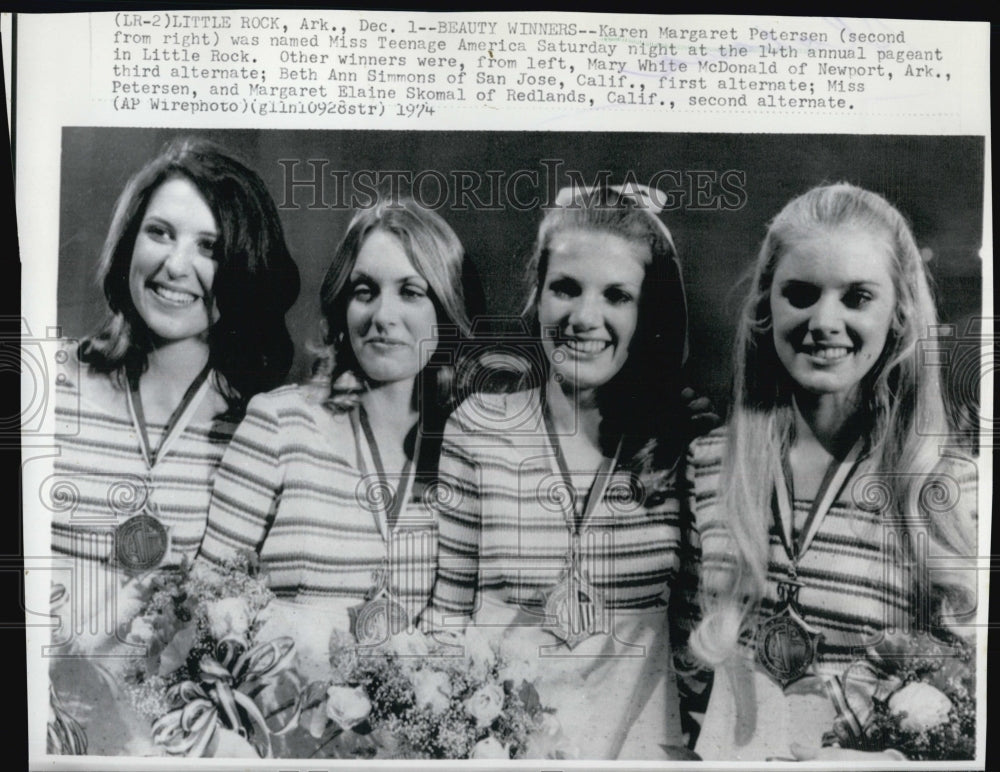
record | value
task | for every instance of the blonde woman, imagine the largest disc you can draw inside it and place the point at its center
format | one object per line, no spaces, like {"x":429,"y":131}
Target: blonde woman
{"x":327,"y":483}
{"x":813,"y":501}
{"x":563,"y":536}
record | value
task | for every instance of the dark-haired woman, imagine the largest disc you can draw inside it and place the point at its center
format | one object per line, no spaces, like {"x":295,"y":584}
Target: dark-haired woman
{"x":197,"y":280}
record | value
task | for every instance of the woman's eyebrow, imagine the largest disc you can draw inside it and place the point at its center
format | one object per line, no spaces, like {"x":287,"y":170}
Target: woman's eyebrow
{"x":865,"y":283}
{"x":622,"y":284}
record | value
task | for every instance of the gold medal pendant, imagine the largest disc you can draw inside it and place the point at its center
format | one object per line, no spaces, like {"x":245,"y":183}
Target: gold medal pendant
{"x":574,"y":610}
{"x":380,"y":616}
{"x":786,"y":645}
{"x":142,"y":541}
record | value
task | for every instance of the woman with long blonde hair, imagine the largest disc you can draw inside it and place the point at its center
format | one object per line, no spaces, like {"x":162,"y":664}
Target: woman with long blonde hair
{"x":821,"y":499}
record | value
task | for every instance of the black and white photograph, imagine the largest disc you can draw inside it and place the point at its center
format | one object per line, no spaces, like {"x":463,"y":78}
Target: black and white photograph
{"x":514,"y":390}
{"x":516,"y":445}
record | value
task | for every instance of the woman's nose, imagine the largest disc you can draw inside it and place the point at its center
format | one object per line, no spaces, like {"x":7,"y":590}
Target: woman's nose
{"x":586,"y":313}
{"x":180,"y":258}
{"x":826,"y":317}
{"x":385,"y":310}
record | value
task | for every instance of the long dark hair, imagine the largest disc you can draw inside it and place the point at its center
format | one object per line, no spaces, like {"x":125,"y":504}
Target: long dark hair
{"x":255,"y":284}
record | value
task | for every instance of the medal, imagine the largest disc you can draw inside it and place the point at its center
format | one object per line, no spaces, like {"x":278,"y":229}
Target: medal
{"x":381,"y":615}
{"x":574,"y":608}
{"x":786,"y":645}
{"x":143,"y":541}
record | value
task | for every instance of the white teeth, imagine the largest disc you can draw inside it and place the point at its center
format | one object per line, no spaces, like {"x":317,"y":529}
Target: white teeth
{"x":837,"y":352}
{"x":586,"y":346}
{"x":174,"y":296}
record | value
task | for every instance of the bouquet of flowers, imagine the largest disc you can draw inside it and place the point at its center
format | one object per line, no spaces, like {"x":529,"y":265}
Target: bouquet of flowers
{"x":914,"y":694}
{"x":417,"y":697}
{"x":207,"y":682}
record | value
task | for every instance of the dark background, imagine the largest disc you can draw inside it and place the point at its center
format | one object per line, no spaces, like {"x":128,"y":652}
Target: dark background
{"x":937,"y":183}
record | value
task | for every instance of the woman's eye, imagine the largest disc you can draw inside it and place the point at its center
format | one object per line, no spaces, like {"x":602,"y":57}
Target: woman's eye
{"x":413,"y":292}
{"x":857,"y":298}
{"x":207,"y":248}
{"x":361,"y":292}
{"x":564,"y":288}
{"x":156,"y":231}
{"x":618,"y":297}
{"x":800,"y":295}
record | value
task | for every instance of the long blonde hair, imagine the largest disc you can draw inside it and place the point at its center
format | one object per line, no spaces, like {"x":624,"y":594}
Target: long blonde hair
{"x":902,"y":402}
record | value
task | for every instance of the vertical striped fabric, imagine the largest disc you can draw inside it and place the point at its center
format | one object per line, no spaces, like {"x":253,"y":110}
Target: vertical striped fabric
{"x":854,"y":587}
{"x":503,"y":527}
{"x":289,"y":489}
{"x":101,"y":478}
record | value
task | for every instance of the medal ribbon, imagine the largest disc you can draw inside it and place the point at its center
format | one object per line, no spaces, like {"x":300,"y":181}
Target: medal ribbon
{"x":598,"y":487}
{"x":836,"y":476}
{"x":178,"y":421}
{"x":582,"y":616}
{"x":369,"y":457}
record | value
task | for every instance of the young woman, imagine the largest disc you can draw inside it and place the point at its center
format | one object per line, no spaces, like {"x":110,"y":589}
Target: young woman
{"x":327,"y":482}
{"x":813,"y":501}
{"x":562,"y":533}
{"x":197,"y":280}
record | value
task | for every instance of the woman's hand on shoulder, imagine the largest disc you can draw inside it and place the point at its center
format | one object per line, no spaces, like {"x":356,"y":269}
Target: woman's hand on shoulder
{"x":701,"y":415}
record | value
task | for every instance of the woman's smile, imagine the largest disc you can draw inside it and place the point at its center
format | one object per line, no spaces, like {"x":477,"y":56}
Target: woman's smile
{"x":832,"y":305}
{"x":588,"y":306}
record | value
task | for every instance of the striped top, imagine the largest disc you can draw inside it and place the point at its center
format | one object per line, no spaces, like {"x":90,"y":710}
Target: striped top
{"x":291,"y":490}
{"x":503,"y":528}
{"x":853,"y":584}
{"x":101,"y":478}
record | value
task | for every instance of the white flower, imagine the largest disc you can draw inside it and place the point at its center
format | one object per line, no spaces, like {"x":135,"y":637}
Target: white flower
{"x":347,"y":707}
{"x":490,"y":748}
{"x":479,"y":651}
{"x":485,"y":705}
{"x":924,"y":706}
{"x":432,"y":689}
{"x":141,"y":631}
{"x":228,"y":617}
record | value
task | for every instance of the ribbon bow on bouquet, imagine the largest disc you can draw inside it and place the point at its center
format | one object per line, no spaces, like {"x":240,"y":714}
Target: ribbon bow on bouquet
{"x":252,"y":693}
{"x":65,"y":736}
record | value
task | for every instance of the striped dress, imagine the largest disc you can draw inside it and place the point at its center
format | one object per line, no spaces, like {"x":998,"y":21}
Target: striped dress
{"x":101,"y":480}
{"x":290,"y":489}
{"x":504,"y":538}
{"x":854,"y":588}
